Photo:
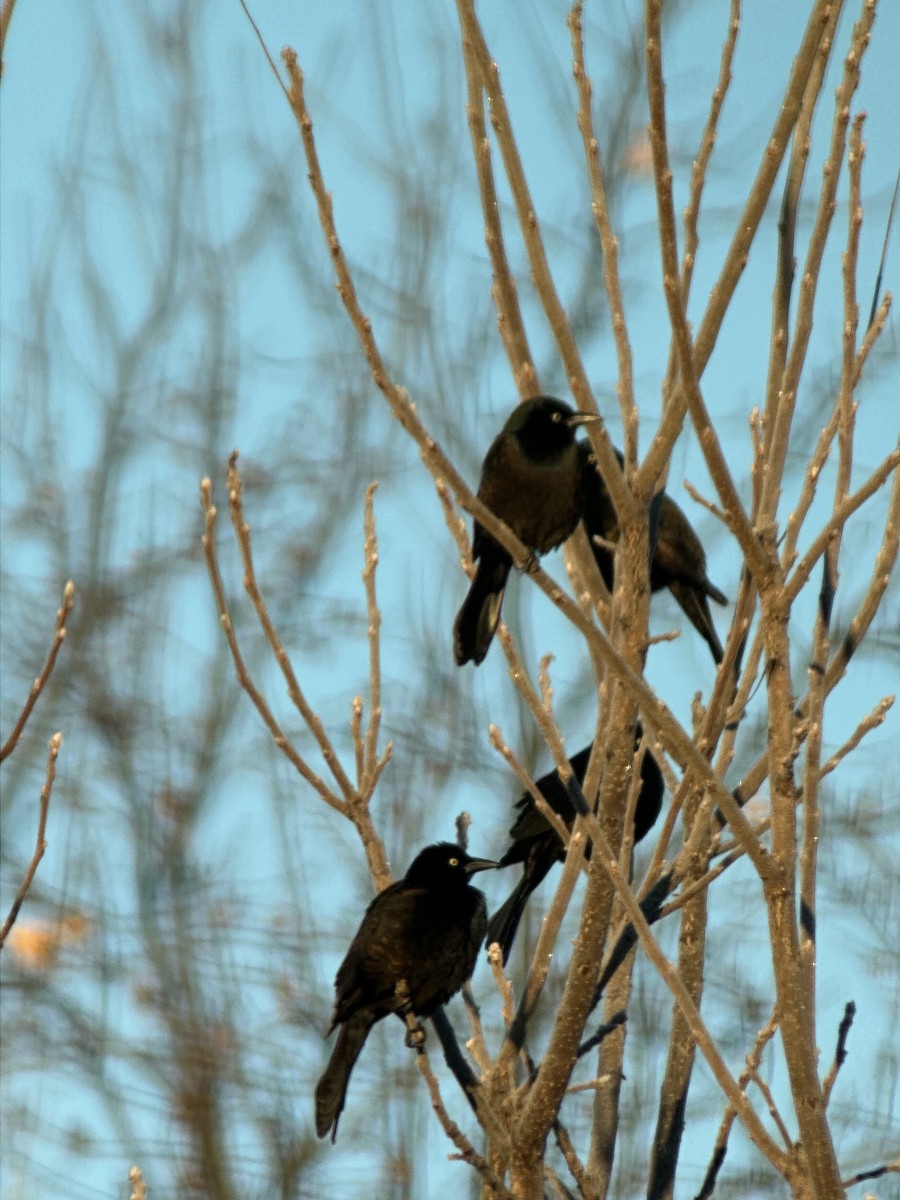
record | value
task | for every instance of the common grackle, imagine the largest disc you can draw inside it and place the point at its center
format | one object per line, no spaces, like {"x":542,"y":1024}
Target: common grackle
{"x":536,"y":844}
{"x":533,"y":480}
{"x":678,"y":561}
{"x":425,"y":930}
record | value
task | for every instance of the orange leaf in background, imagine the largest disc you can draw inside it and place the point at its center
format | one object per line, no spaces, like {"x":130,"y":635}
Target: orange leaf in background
{"x":36,"y":944}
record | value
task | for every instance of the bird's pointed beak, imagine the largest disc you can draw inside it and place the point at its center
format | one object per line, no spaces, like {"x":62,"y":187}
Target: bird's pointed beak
{"x":582,"y":418}
{"x":480,"y":864}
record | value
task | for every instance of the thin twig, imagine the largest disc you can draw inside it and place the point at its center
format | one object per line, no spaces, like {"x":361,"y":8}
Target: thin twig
{"x":782,"y":418}
{"x":371,"y":766}
{"x":138,"y":1187}
{"x":295,"y":692}
{"x":503,"y":291}
{"x":608,"y":241}
{"x":841,"y":513}
{"x":457,"y":527}
{"x":787,"y":228}
{"x":40,"y":842}
{"x":720,"y":1148}
{"x":550,"y":816}
{"x":754,"y":209}
{"x":871,"y":721}
{"x":504,"y":987}
{"x":891,"y":1168}
{"x":62,"y":616}
{"x":466,"y":1150}
{"x":840,"y":1050}
{"x":704,"y":154}
{"x":773,"y":1109}
{"x":884,"y":250}
{"x":573,"y":1162}
{"x":243,"y":675}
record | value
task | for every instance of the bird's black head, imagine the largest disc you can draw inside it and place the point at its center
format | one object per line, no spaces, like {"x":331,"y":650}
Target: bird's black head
{"x":445,"y":865}
{"x":545,"y":426}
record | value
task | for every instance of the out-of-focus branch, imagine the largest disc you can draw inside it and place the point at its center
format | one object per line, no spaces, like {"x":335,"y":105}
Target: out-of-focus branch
{"x":6,"y":11}
{"x":62,"y":616}
{"x":40,"y":842}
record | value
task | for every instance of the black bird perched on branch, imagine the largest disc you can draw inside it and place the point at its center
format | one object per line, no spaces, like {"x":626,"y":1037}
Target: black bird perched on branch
{"x":678,"y":561}
{"x":424,"y":931}
{"x":536,"y":844}
{"x":533,"y":480}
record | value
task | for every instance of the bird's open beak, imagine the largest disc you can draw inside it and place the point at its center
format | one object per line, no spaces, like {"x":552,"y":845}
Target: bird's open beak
{"x":480,"y":864}
{"x":582,"y":418}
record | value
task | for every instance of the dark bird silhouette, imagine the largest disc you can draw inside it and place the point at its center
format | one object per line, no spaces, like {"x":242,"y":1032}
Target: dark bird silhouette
{"x":532,"y":479}
{"x":426,"y":930}
{"x":678,"y":561}
{"x":536,"y":844}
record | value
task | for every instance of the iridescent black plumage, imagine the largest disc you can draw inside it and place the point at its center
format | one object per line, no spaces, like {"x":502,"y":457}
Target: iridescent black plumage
{"x":533,"y":480}
{"x":678,"y":561}
{"x":536,"y":844}
{"x":426,"y":930}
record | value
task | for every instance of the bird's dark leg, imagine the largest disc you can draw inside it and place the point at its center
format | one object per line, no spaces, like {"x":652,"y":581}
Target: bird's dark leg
{"x":415,"y":1034}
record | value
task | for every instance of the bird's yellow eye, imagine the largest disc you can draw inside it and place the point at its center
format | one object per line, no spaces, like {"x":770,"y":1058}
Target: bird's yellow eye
{"x":556,"y":417}
{"x":454,"y":862}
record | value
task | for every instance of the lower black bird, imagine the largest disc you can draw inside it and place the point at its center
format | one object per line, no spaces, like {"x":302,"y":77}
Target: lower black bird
{"x":678,"y":561}
{"x":426,"y":930}
{"x":533,"y":480}
{"x":536,"y":844}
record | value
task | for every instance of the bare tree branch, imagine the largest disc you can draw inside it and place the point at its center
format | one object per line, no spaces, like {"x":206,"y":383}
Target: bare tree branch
{"x":40,"y":843}
{"x":62,"y":617}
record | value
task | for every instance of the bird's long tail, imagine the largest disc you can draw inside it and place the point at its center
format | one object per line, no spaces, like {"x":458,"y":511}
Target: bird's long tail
{"x":504,"y":923}
{"x":477,"y":620}
{"x":331,"y":1090}
{"x":696,"y":608}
